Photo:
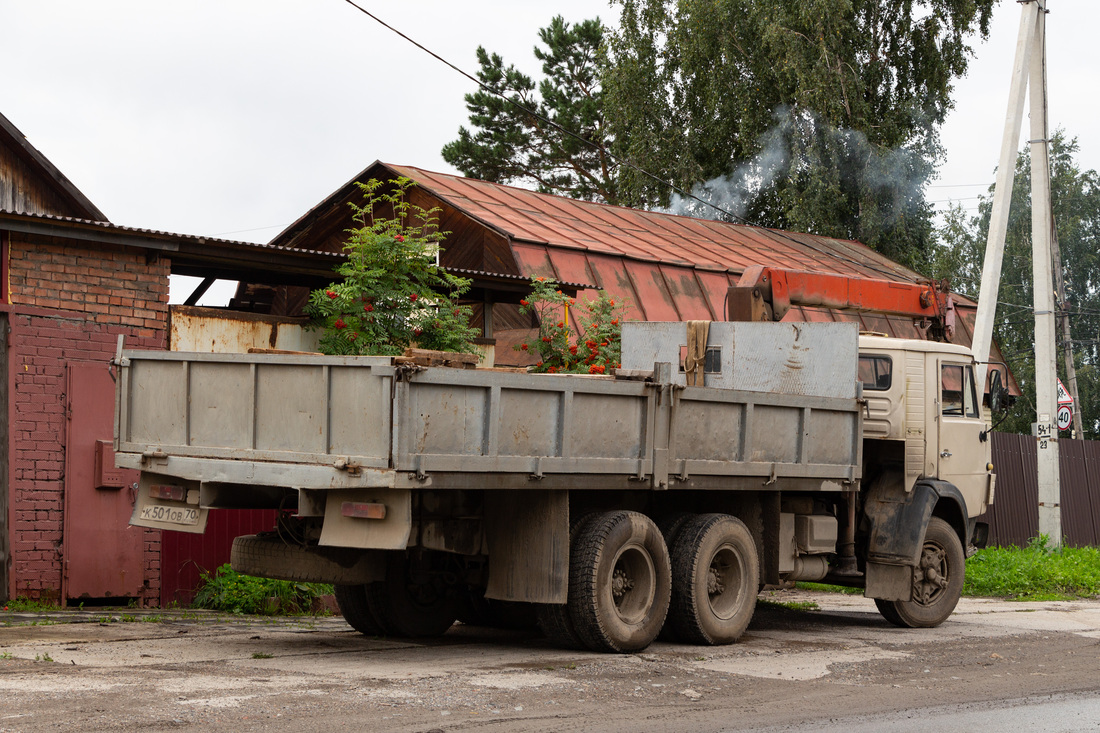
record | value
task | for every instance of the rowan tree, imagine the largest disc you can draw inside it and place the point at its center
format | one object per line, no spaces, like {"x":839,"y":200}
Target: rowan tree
{"x":392,"y":294}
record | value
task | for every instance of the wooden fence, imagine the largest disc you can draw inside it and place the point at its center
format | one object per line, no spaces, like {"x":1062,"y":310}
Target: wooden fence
{"x":1014,"y":517}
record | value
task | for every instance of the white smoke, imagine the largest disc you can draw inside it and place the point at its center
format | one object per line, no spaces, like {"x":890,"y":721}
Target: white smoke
{"x":736,"y":191}
{"x":898,"y":174}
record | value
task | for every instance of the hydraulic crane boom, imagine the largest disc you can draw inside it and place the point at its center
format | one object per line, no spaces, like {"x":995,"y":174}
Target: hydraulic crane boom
{"x":768,"y":293}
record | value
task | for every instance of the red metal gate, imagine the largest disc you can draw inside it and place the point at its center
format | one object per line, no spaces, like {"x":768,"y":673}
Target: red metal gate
{"x":102,"y":553}
{"x":184,"y":557}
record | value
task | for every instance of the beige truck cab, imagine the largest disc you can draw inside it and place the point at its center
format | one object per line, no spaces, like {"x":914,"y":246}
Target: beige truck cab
{"x":926,"y":464}
{"x":923,"y":395}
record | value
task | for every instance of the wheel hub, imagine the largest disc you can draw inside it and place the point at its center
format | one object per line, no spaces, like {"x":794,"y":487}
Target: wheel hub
{"x":715,"y":586}
{"x":930,"y":576}
{"x":621,"y":583}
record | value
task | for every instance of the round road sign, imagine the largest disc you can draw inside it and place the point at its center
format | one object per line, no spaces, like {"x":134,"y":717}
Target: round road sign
{"x":1065,"y":417}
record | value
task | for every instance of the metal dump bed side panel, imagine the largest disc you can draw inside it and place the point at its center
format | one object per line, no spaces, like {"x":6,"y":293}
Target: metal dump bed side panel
{"x":256,"y":407}
{"x":479,"y":421}
{"x":719,"y":432}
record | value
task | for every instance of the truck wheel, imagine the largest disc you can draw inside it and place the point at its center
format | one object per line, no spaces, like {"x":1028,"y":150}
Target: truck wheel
{"x":270,"y":557}
{"x":620,"y":581}
{"x":352,"y":600}
{"x":474,"y":609}
{"x":670,"y":525}
{"x":553,"y":618}
{"x":405,"y":608}
{"x":937,"y":581}
{"x":715,"y":576}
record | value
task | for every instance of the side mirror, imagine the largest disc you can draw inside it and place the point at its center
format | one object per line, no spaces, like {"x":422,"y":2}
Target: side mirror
{"x":998,"y":393}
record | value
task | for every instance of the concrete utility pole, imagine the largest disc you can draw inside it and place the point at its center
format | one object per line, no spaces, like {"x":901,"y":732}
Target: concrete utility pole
{"x":1028,"y":69}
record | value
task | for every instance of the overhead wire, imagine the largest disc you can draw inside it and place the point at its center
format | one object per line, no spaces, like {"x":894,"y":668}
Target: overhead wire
{"x":622,"y":161}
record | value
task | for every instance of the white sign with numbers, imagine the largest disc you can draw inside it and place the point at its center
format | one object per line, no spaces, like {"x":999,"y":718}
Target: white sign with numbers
{"x":1065,"y":417}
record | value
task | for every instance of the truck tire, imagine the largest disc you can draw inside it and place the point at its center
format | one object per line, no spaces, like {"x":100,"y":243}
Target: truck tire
{"x":270,"y":557}
{"x":404,"y":608}
{"x":620,"y":581}
{"x":553,"y":618}
{"x":352,"y":600}
{"x":715,"y":577}
{"x":474,"y":609}
{"x":937,"y":581}
{"x":670,"y":525}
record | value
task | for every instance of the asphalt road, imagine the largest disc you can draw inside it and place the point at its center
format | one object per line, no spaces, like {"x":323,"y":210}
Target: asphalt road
{"x":992,"y":666}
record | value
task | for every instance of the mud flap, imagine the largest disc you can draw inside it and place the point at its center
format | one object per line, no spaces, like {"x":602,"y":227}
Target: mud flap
{"x":528,"y":538}
{"x":167,"y":502}
{"x":898,"y":522}
{"x":889,"y":582}
{"x":346,"y":526}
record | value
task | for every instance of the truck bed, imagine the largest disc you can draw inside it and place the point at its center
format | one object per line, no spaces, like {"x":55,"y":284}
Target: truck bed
{"x":325,"y":422}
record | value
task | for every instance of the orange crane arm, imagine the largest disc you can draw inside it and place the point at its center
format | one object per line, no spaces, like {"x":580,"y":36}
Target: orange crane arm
{"x":767,"y":293}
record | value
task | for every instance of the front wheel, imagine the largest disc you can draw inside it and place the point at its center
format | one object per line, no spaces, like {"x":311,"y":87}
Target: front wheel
{"x":937,"y":581}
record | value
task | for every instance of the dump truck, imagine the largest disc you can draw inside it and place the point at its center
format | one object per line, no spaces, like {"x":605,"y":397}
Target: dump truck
{"x":720,"y":458}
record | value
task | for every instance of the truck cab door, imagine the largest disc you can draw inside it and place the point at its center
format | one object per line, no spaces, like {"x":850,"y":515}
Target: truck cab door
{"x":962,"y":455}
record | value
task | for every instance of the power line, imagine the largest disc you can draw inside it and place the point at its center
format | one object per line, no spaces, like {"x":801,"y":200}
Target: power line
{"x":622,"y":161}
{"x":536,"y":115}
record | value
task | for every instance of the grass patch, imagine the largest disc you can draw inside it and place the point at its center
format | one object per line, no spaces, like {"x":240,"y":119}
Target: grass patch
{"x":826,"y":588}
{"x":29,"y":605}
{"x":230,"y":591}
{"x":790,"y":605}
{"x":1034,"y":573}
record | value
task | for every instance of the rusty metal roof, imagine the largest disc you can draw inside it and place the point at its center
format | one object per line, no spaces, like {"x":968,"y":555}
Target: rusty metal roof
{"x":190,"y":254}
{"x":559,"y":222}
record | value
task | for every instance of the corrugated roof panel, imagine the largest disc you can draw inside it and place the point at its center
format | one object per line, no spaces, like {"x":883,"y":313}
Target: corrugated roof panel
{"x":653,"y":296}
{"x":715,"y":285}
{"x":611,"y":276}
{"x":690,"y":301}
{"x":570,"y":266}
{"x":533,"y":260}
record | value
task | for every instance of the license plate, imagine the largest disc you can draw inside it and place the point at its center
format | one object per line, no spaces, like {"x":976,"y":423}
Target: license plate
{"x":170,"y":514}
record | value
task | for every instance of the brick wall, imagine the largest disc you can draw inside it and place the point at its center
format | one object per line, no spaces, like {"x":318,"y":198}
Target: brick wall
{"x":69,"y":302}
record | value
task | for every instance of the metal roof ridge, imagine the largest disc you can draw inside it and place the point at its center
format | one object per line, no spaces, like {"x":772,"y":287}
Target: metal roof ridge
{"x":645,"y":212}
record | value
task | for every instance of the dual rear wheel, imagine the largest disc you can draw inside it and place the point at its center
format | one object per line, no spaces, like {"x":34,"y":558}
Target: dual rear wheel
{"x":628,"y":580}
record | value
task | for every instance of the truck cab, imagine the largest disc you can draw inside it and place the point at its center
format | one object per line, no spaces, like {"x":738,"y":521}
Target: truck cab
{"x":925,"y":415}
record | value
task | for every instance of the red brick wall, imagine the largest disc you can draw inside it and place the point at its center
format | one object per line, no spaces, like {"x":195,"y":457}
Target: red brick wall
{"x":69,"y":302}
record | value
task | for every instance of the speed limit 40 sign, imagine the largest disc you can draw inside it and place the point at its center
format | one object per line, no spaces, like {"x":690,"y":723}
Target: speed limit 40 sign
{"x":1065,"y":417}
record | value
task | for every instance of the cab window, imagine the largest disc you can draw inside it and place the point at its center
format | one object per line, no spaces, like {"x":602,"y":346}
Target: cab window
{"x":875,"y":372}
{"x":957,"y":395}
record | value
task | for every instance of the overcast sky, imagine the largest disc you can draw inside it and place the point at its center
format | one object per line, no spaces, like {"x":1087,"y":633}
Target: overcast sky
{"x":231,"y":118}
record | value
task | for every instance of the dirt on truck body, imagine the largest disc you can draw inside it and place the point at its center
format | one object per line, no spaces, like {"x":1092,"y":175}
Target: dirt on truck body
{"x":720,"y":458}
